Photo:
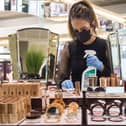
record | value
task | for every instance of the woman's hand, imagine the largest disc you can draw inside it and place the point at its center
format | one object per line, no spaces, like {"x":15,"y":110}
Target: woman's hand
{"x":67,"y":84}
{"x":94,"y":61}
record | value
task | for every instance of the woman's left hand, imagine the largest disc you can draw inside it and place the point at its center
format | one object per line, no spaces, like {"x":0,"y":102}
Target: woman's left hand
{"x":94,"y":61}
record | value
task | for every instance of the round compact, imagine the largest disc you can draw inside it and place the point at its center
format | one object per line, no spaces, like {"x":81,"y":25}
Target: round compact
{"x":98,"y":118}
{"x":113,"y":109}
{"x":116,"y":119}
{"x":55,"y":109}
{"x":99,"y":89}
{"x":33,"y":114}
{"x":89,"y":89}
{"x":97,"y":109}
{"x":54,"y":112}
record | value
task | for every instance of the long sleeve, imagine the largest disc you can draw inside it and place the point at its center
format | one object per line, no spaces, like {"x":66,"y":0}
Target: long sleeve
{"x":64,"y":67}
{"x":107,"y":61}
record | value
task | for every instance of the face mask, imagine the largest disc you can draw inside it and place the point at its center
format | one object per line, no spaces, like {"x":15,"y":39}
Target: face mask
{"x":83,"y":36}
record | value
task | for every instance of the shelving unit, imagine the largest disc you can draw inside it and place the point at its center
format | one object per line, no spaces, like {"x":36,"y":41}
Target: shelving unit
{"x":84,"y":100}
{"x":67,"y":97}
{"x":91,"y":98}
{"x":63,"y":121}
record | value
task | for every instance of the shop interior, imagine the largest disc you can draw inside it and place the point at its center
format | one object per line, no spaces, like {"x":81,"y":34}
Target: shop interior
{"x":32,"y":36}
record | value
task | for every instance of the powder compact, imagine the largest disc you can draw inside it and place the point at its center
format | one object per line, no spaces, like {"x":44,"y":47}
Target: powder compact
{"x":114,"y":111}
{"x":98,"y":118}
{"x":33,"y":114}
{"x":116,"y":119}
{"x":53,"y":113}
{"x":97,"y":111}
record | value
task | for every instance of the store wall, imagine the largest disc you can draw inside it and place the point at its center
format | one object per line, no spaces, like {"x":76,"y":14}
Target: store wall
{"x":36,"y":8}
{"x":1,"y":5}
{"x":13,"y":5}
{"x":19,"y":5}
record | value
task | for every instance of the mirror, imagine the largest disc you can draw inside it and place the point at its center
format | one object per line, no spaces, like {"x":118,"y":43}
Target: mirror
{"x":13,"y":54}
{"x":53,"y":52}
{"x":34,"y":39}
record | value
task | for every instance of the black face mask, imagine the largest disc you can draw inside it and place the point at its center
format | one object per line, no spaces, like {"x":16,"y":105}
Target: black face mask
{"x":83,"y":36}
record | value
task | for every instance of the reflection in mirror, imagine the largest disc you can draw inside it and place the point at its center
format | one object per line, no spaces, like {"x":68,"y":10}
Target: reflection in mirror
{"x":5,"y":60}
{"x":37,"y":39}
{"x":31,"y":39}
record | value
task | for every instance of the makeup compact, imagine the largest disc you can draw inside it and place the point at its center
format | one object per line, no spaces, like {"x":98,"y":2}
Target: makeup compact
{"x":113,"y":110}
{"x":97,"y":111}
{"x":33,"y":114}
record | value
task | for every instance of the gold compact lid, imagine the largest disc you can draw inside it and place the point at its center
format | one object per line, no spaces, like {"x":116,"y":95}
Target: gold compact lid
{"x":54,"y":110}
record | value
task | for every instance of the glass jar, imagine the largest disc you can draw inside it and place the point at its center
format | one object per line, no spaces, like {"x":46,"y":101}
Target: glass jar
{"x":58,"y":94}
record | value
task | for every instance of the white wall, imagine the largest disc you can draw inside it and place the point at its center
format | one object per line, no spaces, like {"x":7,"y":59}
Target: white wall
{"x":13,"y":5}
{"x":1,"y":5}
{"x":35,"y":8}
{"x":19,"y":5}
{"x":32,"y":7}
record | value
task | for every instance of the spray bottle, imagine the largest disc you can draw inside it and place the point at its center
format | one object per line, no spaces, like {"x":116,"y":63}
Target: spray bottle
{"x":89,"y":72}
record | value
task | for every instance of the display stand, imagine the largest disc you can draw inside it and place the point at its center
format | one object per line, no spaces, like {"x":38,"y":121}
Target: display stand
{"x":67,"y":98}
{"x":12,"y":124}
{"x":41,"y":121}
{"x":84,"y":100}
{"x":90,"y":98}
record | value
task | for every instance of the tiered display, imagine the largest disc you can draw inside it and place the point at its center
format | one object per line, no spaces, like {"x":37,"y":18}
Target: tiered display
{"x":15,"y":100}
{"x":20,"y":89}
{"x":13,"y":108}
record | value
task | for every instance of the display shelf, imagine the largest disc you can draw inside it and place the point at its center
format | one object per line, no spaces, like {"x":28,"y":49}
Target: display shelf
{"x":12,"y":124}
{"x":93,"y":97}
{"x":62,"y":122}
{"x":106,"y":122}
{"x":102,"y":95}
{"x":66,"y":95}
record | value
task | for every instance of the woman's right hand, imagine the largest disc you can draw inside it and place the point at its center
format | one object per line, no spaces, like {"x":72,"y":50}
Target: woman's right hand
{"x":67,"y":84}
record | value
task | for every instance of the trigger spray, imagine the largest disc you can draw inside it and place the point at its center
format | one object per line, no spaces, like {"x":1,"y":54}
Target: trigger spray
{"x":89,"y":72}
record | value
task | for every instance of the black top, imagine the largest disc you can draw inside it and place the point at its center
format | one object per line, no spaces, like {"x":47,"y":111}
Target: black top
{"x":73,"y":63}
{"x":78,"y":63}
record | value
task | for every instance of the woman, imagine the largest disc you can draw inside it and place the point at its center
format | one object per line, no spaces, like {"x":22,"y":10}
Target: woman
{"x":82,"y":25}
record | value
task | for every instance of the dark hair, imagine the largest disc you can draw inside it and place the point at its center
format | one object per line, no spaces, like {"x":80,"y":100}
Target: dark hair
{"x":82,"y":10}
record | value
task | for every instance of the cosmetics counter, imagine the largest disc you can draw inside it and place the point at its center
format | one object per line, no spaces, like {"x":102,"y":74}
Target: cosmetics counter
{"x":68,"y":117}
{"x":35,"y":103}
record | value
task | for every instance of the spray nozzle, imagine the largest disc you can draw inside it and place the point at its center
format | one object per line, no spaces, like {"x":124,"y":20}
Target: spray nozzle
{"x":89,"y":52}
